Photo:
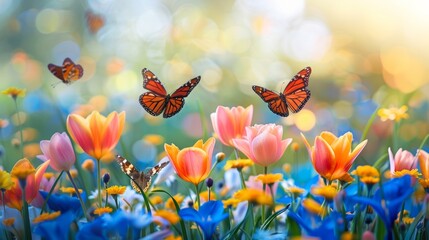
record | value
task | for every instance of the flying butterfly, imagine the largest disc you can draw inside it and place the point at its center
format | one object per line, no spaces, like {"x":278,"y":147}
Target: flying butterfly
{"x":293,"y":97}
{"x":142,"y":179}
{"x":157,"y":100}
{"x":68,"y":73}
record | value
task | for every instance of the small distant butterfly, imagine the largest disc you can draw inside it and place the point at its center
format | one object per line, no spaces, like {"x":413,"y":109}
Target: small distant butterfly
{"x":157,"y":100}
{"x":142,"y":179}
{"x":293,"y":97}
{"x":68,"y":73}
{"x":94,"y":21}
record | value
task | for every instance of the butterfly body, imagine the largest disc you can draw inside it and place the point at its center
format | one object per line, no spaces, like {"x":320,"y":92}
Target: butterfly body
{"x":157,"y":101}
{"x":68,"y":73}
{"x":139,"y":179}
{"x":293,"y":97}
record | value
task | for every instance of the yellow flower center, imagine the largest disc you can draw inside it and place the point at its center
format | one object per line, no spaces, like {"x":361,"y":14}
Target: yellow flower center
{"x":170,"y":204}
{"x":116,"y":190}
{"x":313,"y":207}
{"x":155,"y":200}
{"x":412,"y":173}
{"x":328,"y":192}
{"x":6,"y":182}
{"x":102,"y":210}
{"x":269,"y":178}
{"x":367,"y":174}
{"x":170,"y":216}
{"x":254,"y":196}
{"x":69,"y":190}
{"x":231,"y":202}
{"x":46,"y":217}
{"x":14,"y":92}
{"x":238,"y":164}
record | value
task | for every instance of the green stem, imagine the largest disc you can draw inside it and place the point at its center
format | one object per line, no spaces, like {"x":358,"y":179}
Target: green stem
{"x":25,"y":214}
{"x":99,"y":182}
{"x":115,"y":196}
{"x":368,"y":125}
{"x":20,"y":128}
{"x":264,"y":186}
{"x":395,"y":136}
{"x":424,"y":141}
{"x":50,"y":192}
{"x":85,"y":212}
{"x":243,"y":183}
{"x":198,"y":195}
{"x":107,"y":196}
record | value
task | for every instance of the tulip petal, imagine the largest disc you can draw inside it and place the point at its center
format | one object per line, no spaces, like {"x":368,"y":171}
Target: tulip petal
{"x":323,"y":158}
{"x":243,"y":146}
{"x":263,"y":148}
{"x":328,"y":137}
{"x":79,"y":130}
{"x":391,"y":161}
{"x":307,"y":145}
{"x":192,"y":165}
{"x":357,"y":151}
{"x":172,"y":152}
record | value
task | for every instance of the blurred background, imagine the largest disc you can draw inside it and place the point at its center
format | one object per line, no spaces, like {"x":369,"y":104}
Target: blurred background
{"x":363,"y":54}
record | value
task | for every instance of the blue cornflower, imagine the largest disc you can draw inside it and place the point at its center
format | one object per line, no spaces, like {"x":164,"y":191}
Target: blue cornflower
{"x":207,"y":217}
{"x":326,"y":229}
{"x":122,"y":225}
{"x":63,"y":203}
{"x":387,"y":200}
{"x":57,"y":228}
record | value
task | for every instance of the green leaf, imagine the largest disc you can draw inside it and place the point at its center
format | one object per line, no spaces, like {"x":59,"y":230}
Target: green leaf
{"x":267,"y":222}
{"x":182,"y":223}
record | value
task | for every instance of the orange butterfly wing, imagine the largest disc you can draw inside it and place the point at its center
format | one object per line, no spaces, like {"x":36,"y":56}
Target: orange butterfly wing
{"x":294,"y":96}
{"x":68,"y":72}
{"x":296,"y":92}
{"x":177,"y":99}
{"x":275,"y":102}
{"x":157,"y":100}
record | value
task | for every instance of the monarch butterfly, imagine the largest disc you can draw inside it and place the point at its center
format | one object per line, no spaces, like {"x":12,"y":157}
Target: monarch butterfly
{"x":157,"y":100}
{"x":142,"y":179}
{"x":68,"y":73}
{"x":293,"y":97}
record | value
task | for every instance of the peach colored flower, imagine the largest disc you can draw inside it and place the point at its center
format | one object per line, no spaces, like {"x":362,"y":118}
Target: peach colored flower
{"x":96,"y":134}
{"x":230,"y":123}
{"x":263,"y":143}
{"x":331,"y":156}
{"x":192,"y":164}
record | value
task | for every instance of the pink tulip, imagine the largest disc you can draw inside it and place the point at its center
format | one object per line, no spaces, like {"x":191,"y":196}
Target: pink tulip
{"x":263,"y":143}
{"x":59,"y":150}
{"x":230,"y":123}
{"x":403,"y":160}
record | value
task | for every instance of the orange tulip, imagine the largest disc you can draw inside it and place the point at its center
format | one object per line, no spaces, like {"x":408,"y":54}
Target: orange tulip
{"x":192,"y":164}
{"x":13,"y":196}
{"x":96,"y":134}
{"x":331,"y":156}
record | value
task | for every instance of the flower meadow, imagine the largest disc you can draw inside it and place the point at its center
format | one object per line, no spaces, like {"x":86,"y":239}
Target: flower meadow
{"x":246,"y":191}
